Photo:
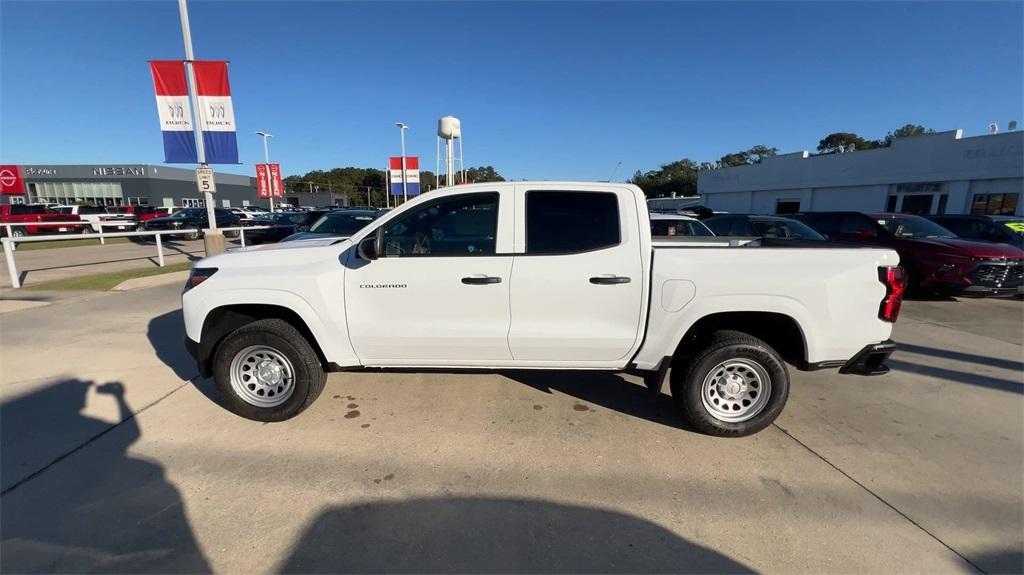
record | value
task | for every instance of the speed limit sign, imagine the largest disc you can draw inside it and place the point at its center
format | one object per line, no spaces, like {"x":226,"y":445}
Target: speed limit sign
{"x":204,"y":180}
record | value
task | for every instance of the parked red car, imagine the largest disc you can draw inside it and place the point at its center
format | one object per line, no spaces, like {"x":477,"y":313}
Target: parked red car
{"x":25,"y":215}
{"x":935,"y":258}
{"x":141,"y":213}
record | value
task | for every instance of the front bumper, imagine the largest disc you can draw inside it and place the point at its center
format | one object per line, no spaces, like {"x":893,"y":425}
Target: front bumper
{"x":870,"y":360}
{"x":985,"y":277}
{"x":194,"y":350}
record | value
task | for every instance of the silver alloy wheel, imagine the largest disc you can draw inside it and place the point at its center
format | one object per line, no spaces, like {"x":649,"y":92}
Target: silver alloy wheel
{"x":736,"y":390}
{"x":262,"y":376}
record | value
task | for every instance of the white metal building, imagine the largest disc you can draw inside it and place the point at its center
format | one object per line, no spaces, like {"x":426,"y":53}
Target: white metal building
{"x":929,"y":174}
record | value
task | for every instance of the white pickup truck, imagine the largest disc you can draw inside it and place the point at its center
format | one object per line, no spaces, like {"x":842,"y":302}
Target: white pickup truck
{"x":540,"y":275}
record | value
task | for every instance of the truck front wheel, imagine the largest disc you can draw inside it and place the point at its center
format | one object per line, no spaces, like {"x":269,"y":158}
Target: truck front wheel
{"x":734,"y":386}
{"x":267,"y":371}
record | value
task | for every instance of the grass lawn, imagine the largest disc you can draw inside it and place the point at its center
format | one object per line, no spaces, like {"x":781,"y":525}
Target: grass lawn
{"x":67,"y":244}
{"x":103,"y":282}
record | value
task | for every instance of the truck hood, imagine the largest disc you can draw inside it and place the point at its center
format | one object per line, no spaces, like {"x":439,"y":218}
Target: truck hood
{"x":971,"y":248}
{"x":278,"y":256}
{"x":297,"y":244}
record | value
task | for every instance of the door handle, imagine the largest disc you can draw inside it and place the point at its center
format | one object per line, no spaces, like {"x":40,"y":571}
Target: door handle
{"x":481,"y":280}
{"x":609,"y":280}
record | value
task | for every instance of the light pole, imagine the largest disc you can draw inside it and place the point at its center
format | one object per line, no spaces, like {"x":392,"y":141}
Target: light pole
{"x":405,"y":188}
{"x":213,"y":239}
{"x":266,"y":160}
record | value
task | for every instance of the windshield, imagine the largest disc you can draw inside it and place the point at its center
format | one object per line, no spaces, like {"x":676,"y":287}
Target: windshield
{"x":671,"y":228}
{"x":1015,"y":226}
{"x":187,"y":213}
{"x":340,"y":224}
{"x":913,"y":227}
{"x":787,"y":229}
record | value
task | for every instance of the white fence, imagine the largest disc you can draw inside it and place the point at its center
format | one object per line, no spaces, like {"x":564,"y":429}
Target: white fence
{"x":10,"y":242}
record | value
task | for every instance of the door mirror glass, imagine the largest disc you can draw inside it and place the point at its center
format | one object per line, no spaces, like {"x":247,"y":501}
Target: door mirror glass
{"x":367,"y":249}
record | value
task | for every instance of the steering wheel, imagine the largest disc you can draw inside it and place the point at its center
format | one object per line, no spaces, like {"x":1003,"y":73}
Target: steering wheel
{"x":420,"y":243}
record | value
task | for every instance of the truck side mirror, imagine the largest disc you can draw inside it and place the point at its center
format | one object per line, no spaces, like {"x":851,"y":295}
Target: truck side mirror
{"x":367,"y":249}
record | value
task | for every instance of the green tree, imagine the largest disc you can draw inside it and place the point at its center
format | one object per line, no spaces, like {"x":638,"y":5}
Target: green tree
{"x":752,"y":156}
{"x":906,"y":131}
{"x":483,"y":174}
{"x":679,"y":177}
{"x":831,"y":143}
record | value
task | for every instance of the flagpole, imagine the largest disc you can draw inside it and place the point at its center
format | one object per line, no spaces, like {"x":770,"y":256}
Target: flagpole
{"x":212,"y":245}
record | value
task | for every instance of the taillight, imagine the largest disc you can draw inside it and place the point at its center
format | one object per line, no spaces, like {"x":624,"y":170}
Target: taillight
{"x":895,"y":281}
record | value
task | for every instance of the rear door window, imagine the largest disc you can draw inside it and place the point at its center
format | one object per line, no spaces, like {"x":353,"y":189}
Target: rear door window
{"x":560,"y":222}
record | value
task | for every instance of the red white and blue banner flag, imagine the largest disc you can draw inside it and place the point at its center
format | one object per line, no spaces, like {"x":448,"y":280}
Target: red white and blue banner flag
{"x":216,"y":115}
{"x":412,"y":172}
{"x":175,"y":113}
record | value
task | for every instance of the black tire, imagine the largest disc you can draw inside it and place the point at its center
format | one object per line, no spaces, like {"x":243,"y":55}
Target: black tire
{"x":687,"y":382}
{"x":231,"y":234}
{"x":281,"y":336}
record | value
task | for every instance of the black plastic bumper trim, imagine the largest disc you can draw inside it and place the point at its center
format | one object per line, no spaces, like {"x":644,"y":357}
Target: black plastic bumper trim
{"x":870,"y":360}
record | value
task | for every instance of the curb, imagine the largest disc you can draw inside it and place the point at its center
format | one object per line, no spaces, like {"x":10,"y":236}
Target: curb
{"x":152,"y":281}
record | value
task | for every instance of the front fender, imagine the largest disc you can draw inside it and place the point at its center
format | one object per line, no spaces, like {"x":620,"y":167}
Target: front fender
{"x":330,"y":332}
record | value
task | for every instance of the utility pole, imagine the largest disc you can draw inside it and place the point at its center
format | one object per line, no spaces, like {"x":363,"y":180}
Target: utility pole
{"x":266,"y":160}
{"x":212,"y":238}
{"x":405,"y":178}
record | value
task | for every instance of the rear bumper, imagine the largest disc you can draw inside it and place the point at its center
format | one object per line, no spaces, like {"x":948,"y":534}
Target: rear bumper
{"x":870,"y":360}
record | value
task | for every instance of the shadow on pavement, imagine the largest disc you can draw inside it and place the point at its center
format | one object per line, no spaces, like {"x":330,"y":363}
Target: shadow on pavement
{"x":1010,"y":561}
{"x":494,"y":535}
{"x":960,"y":356}
{"x":958,"y":376}
{"x":108,"y":513}
{"x":43,"y":426}
{"x":609,"y":390}
{"x":166,"y":334}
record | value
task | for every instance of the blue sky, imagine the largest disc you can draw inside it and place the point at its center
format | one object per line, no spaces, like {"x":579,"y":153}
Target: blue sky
{"x":544,"y":90}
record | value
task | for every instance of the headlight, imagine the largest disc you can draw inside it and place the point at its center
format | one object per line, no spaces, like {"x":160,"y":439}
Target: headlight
{"x":198,"y":276}
{"x":175,"y":224}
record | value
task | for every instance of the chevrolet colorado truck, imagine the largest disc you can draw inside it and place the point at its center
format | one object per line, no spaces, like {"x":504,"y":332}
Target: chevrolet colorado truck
{"x":540,"y":275}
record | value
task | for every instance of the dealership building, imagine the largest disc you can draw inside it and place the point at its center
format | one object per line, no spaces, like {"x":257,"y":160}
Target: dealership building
{"x":937,"y":173}
{"x":118,"y":184}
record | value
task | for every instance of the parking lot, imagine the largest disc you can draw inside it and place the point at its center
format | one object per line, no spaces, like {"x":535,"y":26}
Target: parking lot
{"x":123,"y":461}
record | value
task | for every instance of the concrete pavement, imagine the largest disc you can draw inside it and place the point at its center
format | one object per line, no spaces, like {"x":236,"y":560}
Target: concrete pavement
{"x":918,"y":471}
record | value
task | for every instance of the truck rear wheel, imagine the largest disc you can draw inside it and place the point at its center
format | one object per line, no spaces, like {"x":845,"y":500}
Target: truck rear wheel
{"x":734,"y":386}
{"x":267,"y":371}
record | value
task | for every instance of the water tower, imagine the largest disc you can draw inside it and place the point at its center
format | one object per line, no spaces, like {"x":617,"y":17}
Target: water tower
{"x":449,"y":129}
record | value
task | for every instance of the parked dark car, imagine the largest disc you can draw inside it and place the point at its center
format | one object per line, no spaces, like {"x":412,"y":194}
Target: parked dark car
{"x":336,"y":223}
{"x":998,"y":229}
{"x":282,"y":225}
{"x":192,"y":221}
{"x":773,"y":230}
{"x":936,"y":260}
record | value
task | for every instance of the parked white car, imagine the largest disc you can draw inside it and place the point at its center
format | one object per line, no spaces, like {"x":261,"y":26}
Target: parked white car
{"x":675,"y":225}
{"x":97,"y":214}
{"x":540,"y":275}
